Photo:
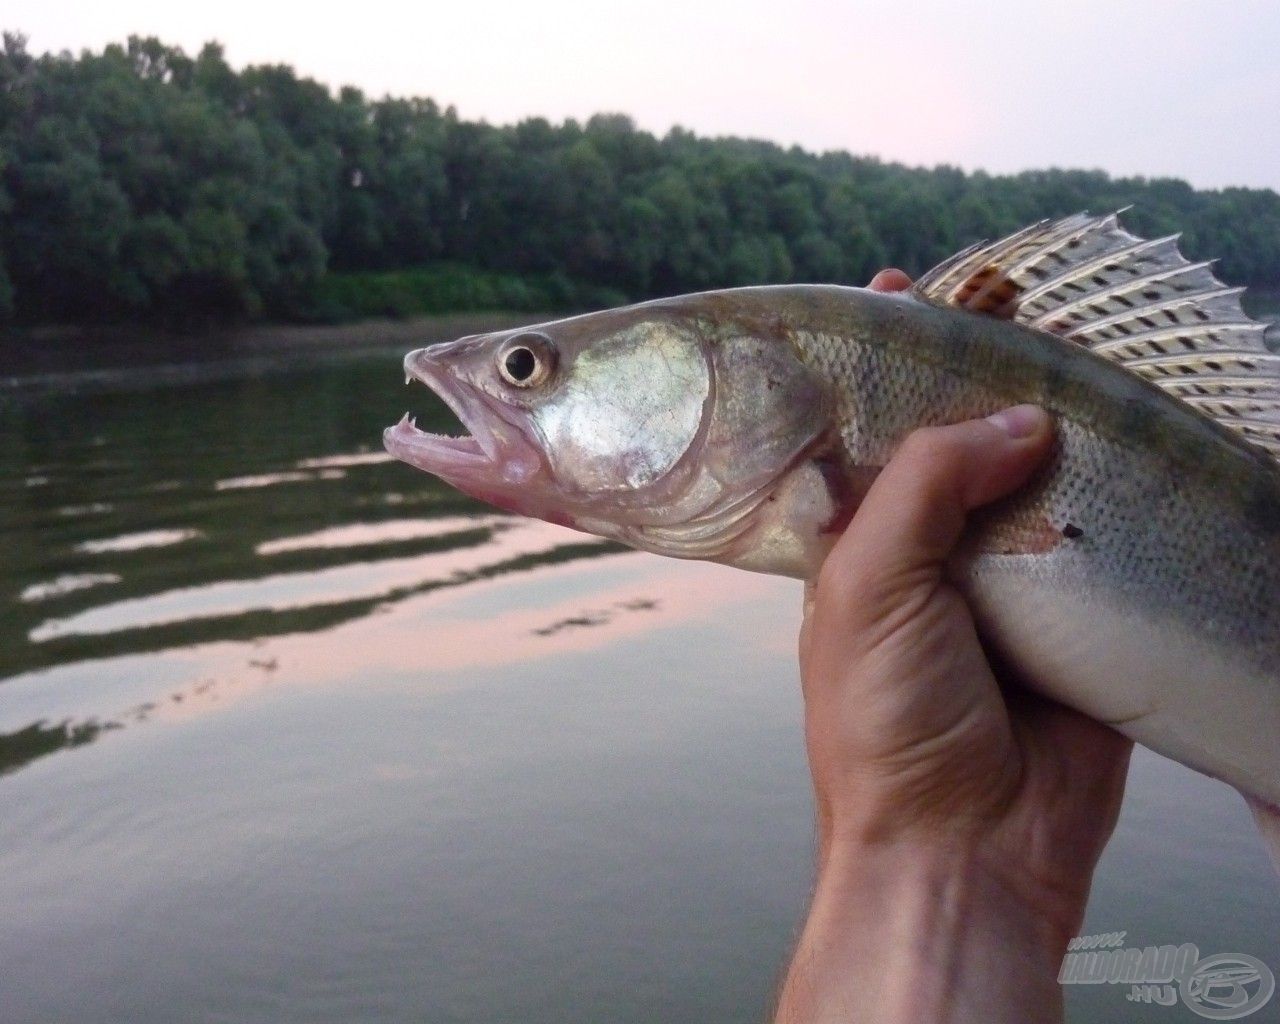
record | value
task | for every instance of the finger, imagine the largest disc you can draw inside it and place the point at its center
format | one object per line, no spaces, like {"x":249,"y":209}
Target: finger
{"x":890,"y":280}
{"x":915,"y":511}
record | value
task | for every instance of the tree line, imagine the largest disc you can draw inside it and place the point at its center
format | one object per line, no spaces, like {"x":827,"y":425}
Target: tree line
{"x":140,"y":182}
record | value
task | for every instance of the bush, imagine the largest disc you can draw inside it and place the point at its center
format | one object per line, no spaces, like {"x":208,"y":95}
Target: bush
{"x":447,"y":288}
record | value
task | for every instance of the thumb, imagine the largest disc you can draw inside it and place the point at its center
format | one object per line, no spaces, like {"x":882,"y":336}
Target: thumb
{"x":914,"y":513}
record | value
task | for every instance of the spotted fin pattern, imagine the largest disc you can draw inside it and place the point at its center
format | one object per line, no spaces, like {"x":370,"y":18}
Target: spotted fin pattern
{"x":1134,"y":301}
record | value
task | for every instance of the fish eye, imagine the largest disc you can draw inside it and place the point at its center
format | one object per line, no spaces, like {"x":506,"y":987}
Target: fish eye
{"x":520,"y":364}
{"x":526,"y":361}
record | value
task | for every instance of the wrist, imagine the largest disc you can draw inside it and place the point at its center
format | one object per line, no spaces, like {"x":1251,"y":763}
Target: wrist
{"x":925,"y":933}
{"x":963,"y":865}
{"x":955,"y":888}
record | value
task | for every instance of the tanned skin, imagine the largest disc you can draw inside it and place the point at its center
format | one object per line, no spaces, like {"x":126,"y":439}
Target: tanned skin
{"x":959,"y":817}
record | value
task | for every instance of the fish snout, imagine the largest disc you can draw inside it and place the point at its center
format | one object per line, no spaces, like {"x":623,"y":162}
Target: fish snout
{"x":424,"y":363}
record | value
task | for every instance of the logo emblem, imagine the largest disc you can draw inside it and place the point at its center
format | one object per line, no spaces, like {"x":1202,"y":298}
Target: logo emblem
{"x":1227,"y":986}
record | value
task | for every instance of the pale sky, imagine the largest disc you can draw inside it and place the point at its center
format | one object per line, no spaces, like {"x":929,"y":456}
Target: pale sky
{"x":1189,"y":88}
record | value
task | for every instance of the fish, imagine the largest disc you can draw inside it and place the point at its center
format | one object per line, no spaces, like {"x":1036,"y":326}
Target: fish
{"x":1135,"y":578}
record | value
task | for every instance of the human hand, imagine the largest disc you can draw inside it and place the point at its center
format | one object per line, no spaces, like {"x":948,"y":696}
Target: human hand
{"x":912,"y":738}
{"x":959,"y":817}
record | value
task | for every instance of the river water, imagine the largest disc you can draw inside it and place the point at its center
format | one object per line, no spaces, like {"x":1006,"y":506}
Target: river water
{"x":290,"y":732}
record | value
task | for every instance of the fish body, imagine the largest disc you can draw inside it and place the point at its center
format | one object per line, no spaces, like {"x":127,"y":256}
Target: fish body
{"x":1134,"y":578}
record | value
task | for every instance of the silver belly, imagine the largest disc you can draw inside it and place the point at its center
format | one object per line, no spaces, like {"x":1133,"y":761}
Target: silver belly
{"x":1166,"y":684}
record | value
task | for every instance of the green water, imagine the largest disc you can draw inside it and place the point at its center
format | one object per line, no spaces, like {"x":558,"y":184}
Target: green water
{"x":290,"y":732}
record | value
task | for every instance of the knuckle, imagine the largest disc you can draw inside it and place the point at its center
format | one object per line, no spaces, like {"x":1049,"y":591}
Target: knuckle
{"x":917,"y":445}
{"x":931,"y":454}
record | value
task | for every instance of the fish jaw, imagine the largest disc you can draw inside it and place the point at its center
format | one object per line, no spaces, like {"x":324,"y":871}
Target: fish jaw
{"x":496,"y":463}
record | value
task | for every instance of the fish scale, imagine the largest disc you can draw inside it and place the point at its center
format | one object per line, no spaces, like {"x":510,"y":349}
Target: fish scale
{"x":1153,"y":524}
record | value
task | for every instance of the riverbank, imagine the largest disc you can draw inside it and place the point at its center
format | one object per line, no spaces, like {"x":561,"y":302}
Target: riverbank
{"x":75,"y":358}
{"x":59,"y":357}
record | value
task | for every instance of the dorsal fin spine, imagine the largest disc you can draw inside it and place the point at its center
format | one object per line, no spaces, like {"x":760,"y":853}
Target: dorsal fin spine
{"x":1128,"y":285}
{"x":952,"y":265}
{"x":1232,"y":400}
{"x":1222,"y":381}
{"x":1131,"y":314}
{"x":1217,"y":356}
{"x":1141,"y":245}
{"x":1021,"y":266}
{"x":1170,"y":333}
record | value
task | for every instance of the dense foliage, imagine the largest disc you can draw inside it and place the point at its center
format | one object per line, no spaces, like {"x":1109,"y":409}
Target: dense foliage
{"x":143,"y":182}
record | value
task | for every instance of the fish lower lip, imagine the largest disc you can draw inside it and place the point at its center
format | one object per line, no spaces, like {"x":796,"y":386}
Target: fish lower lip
{"x":433,"y":451}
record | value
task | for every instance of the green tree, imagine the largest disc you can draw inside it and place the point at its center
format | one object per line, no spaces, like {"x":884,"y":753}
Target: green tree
{"x":141,"y":182}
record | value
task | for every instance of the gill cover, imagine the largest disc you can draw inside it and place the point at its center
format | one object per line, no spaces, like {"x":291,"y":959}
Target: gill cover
{"x":625,"y":410}
{"x":678,"y":430}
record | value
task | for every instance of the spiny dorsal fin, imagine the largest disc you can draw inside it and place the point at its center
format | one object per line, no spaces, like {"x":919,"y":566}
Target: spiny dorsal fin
{"x":1136,"y":302}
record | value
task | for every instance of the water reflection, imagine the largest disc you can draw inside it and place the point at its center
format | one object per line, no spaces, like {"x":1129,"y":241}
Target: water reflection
{"x":92,"y":509}
{"x":597,"y":617}
{"x":368,"y":534}
{"x":68,"y":583}
{"x":137,"y":541}
{"x":21,"y":747}
{"x":133,"y":496}
{"x":125,"y":533}
{"x":515,"y":611}
{"x":485,"y":550}
{"x":239,"y":483}
{"x":343,"y":461}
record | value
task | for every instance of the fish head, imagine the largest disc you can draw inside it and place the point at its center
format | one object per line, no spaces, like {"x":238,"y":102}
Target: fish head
{"x":655,"y":425}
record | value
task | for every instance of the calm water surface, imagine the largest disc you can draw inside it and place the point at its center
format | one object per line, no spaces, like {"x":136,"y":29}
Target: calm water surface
{"x":290,"y":732}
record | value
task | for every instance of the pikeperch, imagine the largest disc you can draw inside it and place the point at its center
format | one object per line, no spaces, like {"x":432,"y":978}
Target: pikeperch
{"x":1136,"y":578}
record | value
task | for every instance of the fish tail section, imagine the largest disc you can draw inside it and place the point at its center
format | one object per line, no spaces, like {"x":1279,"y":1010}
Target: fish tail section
{"x":1267,"y":815}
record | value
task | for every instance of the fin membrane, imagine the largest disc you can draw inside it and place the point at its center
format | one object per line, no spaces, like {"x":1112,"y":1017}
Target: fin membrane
{"x":1139,"y":303}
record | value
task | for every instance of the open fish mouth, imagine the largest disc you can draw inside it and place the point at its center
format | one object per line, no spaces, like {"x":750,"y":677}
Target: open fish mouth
{"x":434,"y":452}
{"x":493,"y":452}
